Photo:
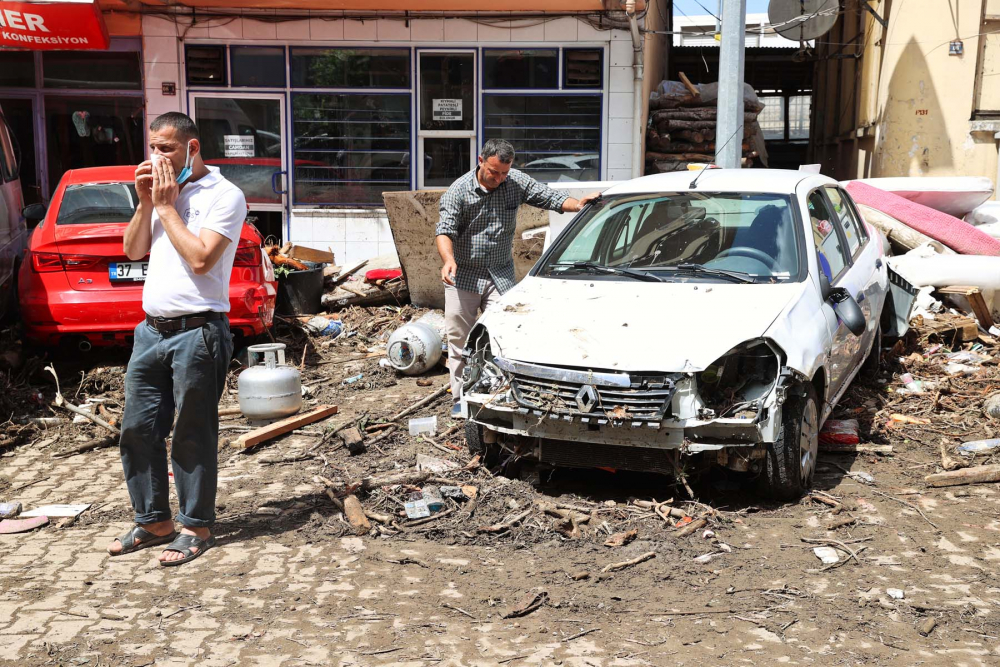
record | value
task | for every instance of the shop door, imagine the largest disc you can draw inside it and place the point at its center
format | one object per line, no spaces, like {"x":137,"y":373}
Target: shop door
{"x":446,"y":135}
{"x":243,"y":135}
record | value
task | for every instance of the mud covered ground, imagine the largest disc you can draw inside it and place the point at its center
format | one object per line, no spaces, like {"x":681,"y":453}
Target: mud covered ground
{"x":292,"y":583}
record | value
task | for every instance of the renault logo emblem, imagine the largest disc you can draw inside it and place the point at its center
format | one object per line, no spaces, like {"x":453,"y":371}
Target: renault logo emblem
{"x":586,"y":398}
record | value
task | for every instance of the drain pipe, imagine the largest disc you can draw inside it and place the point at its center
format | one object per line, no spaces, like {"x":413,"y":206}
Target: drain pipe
{"x":637,"y":128}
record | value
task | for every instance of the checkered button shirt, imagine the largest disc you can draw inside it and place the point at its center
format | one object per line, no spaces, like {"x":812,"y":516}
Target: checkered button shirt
{"x":481,"y":224}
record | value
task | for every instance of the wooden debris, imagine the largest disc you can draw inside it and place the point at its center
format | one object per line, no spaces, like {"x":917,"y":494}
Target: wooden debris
{"x":410,"y":477}
{"x":504,"y":525}
{"x":527,"y":604}
{"x":229,"y":412}
{"x":621,"y":539}
{"x":829,"y":501}
{"x":927,"y":626}
{"x":580,"y":576}
{"x":695,"y":525}
{"x":422,"y":402}
{"x":307,"y":254}
{"x":948,"y":462}
{"x":349,"y":271}
{"x":61,"y":402}
{"x":271,"y":431}
{"x":842,"y":448}
{"x":614,"y":567}
{"x":106,"y":441}
{"x":976,"y":302}
{"x":355,"y":514}
{"x":975,"y":475}
{"x":353,"y":440}
{"x":695,"y":93}
{"x":840,"y":523}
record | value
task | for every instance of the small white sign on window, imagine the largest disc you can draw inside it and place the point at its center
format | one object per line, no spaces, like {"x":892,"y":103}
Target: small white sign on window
{"x":447,"y":109}
{"x":238,"y":145}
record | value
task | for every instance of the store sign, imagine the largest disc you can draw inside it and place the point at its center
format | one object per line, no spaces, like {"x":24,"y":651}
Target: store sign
{"x":42,"y":26}
{"x":447,"y":110}
{"x":237,"y":145}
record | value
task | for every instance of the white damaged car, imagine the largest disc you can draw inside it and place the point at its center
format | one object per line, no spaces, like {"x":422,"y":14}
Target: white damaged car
{"x":681,"y":321}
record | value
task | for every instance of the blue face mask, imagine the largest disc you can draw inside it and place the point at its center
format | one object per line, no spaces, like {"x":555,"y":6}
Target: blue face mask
{"x":188,"y":162}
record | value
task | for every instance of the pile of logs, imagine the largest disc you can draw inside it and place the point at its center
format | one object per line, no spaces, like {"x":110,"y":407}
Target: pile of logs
{"x":682,"y":129}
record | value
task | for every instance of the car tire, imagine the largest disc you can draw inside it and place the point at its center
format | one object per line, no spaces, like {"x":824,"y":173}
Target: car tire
{"x":791,"y":460}
{"x":488,"y":454}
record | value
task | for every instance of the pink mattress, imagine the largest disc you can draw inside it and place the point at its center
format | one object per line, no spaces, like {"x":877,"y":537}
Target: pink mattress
{"x":958,"y":235}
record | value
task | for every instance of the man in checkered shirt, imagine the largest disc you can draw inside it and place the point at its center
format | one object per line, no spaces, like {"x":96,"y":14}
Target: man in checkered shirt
{"x":475,"y":239}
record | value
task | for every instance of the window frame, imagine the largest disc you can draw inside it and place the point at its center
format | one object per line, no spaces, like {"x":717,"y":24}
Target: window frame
{"x":290,"y":52}
{"x":246,"y":47}
{"x":486,"y":49}
{"x":863,"y":236}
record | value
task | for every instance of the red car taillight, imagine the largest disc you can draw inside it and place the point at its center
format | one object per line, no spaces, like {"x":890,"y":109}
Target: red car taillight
{"x":247,"y":254}
{"x":45,"y":262}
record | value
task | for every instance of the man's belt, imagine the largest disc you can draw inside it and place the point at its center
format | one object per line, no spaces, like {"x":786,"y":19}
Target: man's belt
{"x":183,"y":322}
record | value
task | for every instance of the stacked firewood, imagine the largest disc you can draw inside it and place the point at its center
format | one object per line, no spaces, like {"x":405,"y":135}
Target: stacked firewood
{"x":682,"y":127}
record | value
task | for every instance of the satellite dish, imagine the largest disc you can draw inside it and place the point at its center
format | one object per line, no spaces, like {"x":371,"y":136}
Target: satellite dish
{"x":802,"y":20}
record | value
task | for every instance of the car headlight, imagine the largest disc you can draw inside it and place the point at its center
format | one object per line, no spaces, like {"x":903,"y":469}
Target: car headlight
{"x":481,"y":374}
{"x":739,"y":381}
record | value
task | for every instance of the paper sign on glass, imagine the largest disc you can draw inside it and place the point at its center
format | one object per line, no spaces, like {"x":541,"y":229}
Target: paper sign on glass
{"x":237,"y":145}
{"x":447,"y":109}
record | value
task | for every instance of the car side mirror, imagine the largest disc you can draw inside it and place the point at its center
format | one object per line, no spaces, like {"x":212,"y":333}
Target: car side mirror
{"x":34,"y":214}
{"x":848,"y":310}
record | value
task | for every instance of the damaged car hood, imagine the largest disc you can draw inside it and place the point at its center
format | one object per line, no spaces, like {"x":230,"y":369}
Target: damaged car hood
{"x":631,"y":326}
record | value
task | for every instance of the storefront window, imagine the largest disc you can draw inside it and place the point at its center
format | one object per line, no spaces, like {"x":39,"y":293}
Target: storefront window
{"x":258,"y":66}
{"x":350,"y":148}
{"x":557,"y":137}
{"x":95,"y":71}
{"x":521,"y":68}
{"x":17,"y":69}
{"x":350,"y":68}
{"x":92,"y":132}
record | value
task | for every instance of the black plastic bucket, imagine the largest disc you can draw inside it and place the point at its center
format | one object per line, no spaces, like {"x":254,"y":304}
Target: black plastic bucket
{"x":300,"y":292}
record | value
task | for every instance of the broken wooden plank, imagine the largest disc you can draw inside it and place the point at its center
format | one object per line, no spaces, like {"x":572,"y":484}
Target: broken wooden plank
{"x":349,"y":271}
{"x":283,"y":426}
{"x":355,"y":514}
{"x":976,"y":302}
{"x":844,"y":448}
{"x":229,"y":412}
{"x":353,"y":440}
{"x":695,"y":93}
{"x":975,"y":475}
{"x":422,"y":402}
{"x":307,"y":254}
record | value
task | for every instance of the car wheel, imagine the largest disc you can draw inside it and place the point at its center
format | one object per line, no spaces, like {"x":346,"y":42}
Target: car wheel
{"x":489,"y":454}
{"x":791,"y":460}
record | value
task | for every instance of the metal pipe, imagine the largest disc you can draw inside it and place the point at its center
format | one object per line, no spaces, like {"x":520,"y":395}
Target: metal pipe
{"x":85,"y":345}
{"x":729,"y":132}
{"x":637,"y":101}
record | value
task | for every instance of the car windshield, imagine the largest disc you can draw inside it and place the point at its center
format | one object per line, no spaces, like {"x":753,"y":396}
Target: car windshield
{"x":97,"y":202}
{"x":713,"y":235}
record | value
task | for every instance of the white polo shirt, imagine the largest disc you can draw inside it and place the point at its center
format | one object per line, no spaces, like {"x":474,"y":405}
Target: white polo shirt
{"x":172,"y":289}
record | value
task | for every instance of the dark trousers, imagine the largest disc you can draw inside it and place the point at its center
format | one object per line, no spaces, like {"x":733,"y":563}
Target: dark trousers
{"x":183,"y":371}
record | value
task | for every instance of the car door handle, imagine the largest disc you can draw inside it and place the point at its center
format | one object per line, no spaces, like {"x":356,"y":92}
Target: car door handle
{"x":274,"y":183}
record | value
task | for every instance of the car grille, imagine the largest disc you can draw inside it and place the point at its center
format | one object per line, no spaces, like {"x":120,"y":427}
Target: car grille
{"x":600,"y":404}
{"x":590,"y":455}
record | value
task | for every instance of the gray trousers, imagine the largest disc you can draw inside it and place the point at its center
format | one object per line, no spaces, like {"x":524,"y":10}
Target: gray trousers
{"x":183,"y":371}
{"x":461,"y":308}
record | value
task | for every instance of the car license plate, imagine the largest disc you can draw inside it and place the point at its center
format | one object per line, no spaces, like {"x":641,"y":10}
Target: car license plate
{"x":127,"y":271}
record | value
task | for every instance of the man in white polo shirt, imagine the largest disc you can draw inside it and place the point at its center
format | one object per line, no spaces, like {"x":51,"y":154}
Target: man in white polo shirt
{"x":188,"y":220}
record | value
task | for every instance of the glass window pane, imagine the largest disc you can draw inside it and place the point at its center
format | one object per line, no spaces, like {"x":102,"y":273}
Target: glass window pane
{"x":447,"y":90}
{"x":242,"y":137}
{"x":772,"y":118}
{"x":93,"y":132}
{"x":206,"y":65}
{"x":75,"y":69}
{"x":831,"y":254}
{"x":350,"y":148}
{"x":21,"y":120}
{"x":106,"y":202}
{"x":557,"y":137}
{"x":445,"y":159}
{"x":17,"y":69}
{"x":257,"y":66}
{"x":350,"y":68}
{"x":854,"y":233}
{"x":798,"y":116}
{"x":582,"y":68}
{"x":521,"y":68}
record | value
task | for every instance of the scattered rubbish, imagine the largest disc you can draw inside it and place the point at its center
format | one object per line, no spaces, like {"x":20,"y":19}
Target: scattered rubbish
{"x":906,"y":419}
{"x":61,"y":402}
{"x":855,"y":449}
{"x":692,"y":527}
{"x":828,"y":555}
{"x":432,"y":496}
{"x":863,"y":476}
{"x":454,"y":492}
{"x":708,"y":534}
{"x":960,"y":369}
{"x":527,"y":604}
{"x":621,"y":539}
{"x":414,"y":348}
{"x":421,"y":425}
{"x":356,"y":515}
{"x":434,"y":465}
{"x":268,"y":511}
{"x":56,"y":510}
{"x":271,"y":390}
{"x":12,"y":526}
{"x":417,"y":508}
{"x":9,"y":510}
{"x":353,"y":440}
{"x":992,"y":406}
{"x":614,"y":567}
{"x":47,"y":421}
{"x":422,"y":402}
{"x":423,"y":382}
{"x":271,"y":431}
{"x":383,"y":275}
{"x":894,"y":593}
{"x":927,"y":627}
{"x":85,"y":407}
{"x":352,"y":379}
{"x":321,"y":326}
{"x":841,"y":432}
{"x":970,"y":448}
{"x":910,"y":385}
{"x":975,"y":475}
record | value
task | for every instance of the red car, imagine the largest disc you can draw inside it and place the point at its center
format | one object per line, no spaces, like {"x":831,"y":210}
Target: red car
{"x":77,"y":287}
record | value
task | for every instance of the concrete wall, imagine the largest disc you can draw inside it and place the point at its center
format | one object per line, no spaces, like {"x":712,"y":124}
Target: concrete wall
{"x":360,"y":233}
